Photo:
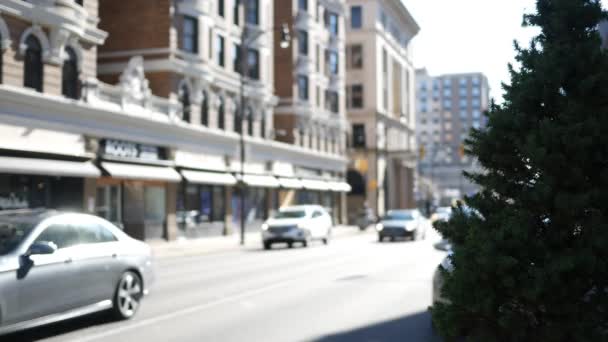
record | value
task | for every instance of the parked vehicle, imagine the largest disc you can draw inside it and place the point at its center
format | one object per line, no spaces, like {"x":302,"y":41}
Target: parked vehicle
{"x":446,"y":264}
{"x":402,"y":224}
{"x":56,"y":266}
{"x":302,"y":224}
{"x":442,"y":214}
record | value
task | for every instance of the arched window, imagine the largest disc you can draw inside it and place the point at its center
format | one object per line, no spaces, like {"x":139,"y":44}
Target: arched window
{"x":69,"y":75}
{"x":184,"y":99}
{"x":205,"y":109}
{"x":32,"y":77}
{"x":221,"y":124}
{"x":250,"y":121}
{"x":237,"y":122}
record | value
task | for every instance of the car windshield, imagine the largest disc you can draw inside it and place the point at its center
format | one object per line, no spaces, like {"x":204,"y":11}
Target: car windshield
{"x":398,"y":217}
{"x":290,"y":214}
{"x":12,"y":234}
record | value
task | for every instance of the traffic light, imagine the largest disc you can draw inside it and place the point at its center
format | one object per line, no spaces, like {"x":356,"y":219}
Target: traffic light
{"x":461,"y":151}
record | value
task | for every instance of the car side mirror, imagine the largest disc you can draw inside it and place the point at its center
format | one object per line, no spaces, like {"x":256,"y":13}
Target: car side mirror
{"x":39,"y":248}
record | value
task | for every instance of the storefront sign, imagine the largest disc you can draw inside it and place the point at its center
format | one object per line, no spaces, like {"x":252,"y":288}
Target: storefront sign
{"x":131,"y":150}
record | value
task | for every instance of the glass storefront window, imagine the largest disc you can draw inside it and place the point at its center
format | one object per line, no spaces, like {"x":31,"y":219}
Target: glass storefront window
{"x":108,"y":203}
{"x":154,"y":203}
{"x":201,"y":203}
{"x":24,"y":191}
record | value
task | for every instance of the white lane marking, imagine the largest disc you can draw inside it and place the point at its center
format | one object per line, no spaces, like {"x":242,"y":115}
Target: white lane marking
{"x":192,"y":309}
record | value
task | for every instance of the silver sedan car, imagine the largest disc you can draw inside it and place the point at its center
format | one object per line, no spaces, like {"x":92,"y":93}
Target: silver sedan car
{"x":55,"y":266}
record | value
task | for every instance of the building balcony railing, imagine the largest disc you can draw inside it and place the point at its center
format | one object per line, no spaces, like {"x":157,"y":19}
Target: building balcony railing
{"x":122,"y":97}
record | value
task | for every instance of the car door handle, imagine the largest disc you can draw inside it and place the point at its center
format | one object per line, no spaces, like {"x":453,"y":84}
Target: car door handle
{"x":68,"y":260}
{"x":114,"y":255}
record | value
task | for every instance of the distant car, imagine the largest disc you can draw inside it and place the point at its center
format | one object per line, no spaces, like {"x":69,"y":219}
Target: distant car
{"x":442,"y":214}
{"x":402,"y":224}
{"x":56,"y":266}
{"x":301,"y":224}
{"x":446,"y":265}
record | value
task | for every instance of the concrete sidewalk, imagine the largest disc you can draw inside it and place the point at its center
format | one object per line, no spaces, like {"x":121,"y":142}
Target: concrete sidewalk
{"x":207,"y":245}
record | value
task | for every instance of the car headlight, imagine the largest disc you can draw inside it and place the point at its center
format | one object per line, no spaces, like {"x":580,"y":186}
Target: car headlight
{"x":379,"y":227}
{"x":265,"y":226}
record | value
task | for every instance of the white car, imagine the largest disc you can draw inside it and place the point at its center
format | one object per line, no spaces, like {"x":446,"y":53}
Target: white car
{"x":303,"y":224}
{"x":442,"y":214}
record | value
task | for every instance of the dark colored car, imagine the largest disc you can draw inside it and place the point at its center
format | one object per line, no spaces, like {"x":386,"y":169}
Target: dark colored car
{"x":402,"y":224}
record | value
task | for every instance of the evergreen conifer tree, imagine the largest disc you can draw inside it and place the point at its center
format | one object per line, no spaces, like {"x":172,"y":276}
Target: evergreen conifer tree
{"x":531,"y":259}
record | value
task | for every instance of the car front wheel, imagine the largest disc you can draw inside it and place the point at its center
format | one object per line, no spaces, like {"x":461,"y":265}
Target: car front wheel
{"x":127,"y":299}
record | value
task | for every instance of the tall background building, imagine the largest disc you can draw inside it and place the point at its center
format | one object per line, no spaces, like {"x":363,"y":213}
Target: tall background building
{"x":380,"y":104}
{"x":448,"y":106}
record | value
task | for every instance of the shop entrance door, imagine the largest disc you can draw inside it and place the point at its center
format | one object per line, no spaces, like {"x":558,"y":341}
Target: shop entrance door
{"x":108,"y":203}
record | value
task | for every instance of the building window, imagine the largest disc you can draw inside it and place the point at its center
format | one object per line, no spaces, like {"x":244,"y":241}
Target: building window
{"x":356,"y":17}
{"x":69,"y":75}
{"x":205,"y":109}
{"x":190,"y":35}
{"x":221,"y":113}
{"x":476,"y":114}
{"x":359,"y":136}
{"x":263,"y":126}
{"x":447,"y":104}
{"x":463,"y":103}
{"x":236,"y":58}
{"x":303,"y":5}
{"x":220,"y":50}
{"x":331,"y":101}
{"x":331,"y":22}
{"x":236,"y":16}
{"x":318,"y":96}
{"x":447,"y":92}
{"x":475,"y":91}
{"x":303,"y":43}
{"x":237,"y":120}
{"x":303,"y":88}
{"x":184,"y":99}
{"x":332,"y":61}
{"x":250,"y":118}
{"x":356,"y":96}
{"x":475,"y":103}
{"x":355,"y":56}
{"x":220,"y":8}
{"x":253,"y":64}
{"x":33,"y":64}
{"x":253,"y":16}
{"x":384,"y":79}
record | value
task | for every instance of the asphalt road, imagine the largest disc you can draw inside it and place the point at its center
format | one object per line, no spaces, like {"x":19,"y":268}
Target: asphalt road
{"x":355,"y":289}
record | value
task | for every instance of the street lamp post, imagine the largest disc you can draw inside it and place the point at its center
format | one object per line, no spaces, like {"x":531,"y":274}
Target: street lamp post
{"x":247,"y":39}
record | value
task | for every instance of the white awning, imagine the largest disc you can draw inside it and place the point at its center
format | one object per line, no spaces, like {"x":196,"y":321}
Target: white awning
{"x":290,"y":183}
{"x":135,"y":171}
{"x":340,"y":186}
{"x":201,"y":177}
{"x":261,"y":181}
{"x":48,"y":167}
{"x":312,"y":184}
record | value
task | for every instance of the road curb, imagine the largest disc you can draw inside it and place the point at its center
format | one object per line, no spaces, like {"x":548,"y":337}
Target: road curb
{"x":211,"y":245}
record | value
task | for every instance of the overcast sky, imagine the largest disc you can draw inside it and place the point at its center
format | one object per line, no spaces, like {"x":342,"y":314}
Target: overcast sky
{"x":470,"y":36}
